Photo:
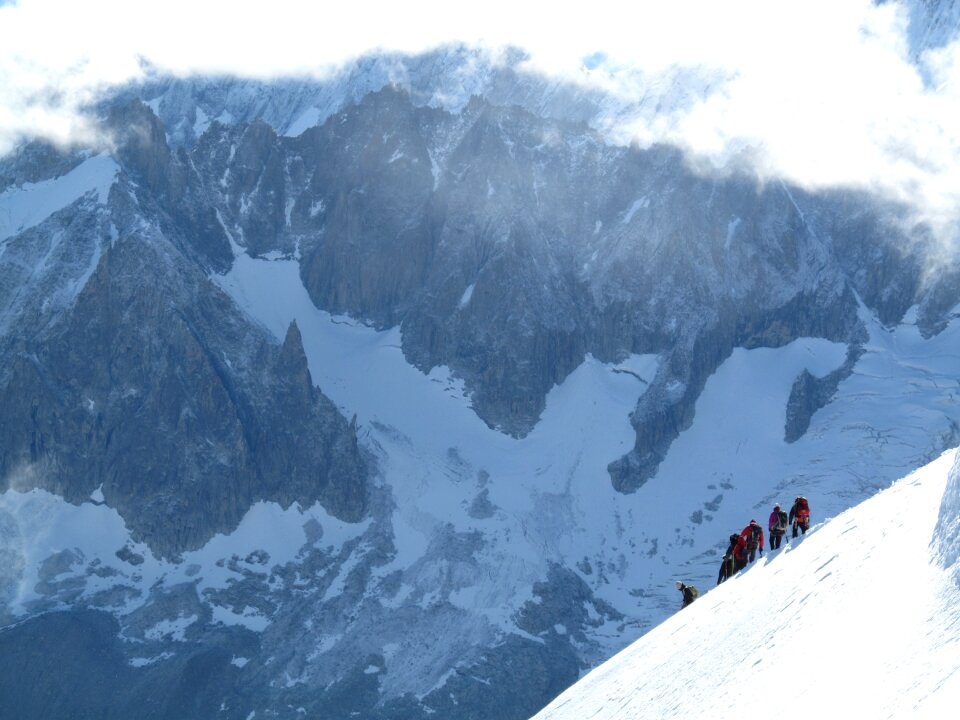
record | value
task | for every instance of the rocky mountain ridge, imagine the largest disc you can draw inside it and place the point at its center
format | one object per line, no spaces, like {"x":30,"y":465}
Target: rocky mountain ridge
{"x":147,"y":385}
{"x":508,"y":247}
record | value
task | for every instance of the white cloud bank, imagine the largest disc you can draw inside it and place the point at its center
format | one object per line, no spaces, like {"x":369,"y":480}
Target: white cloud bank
{"x":822,"y":92}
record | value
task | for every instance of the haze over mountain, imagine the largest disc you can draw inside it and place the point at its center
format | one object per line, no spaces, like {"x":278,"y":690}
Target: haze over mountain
{"x":407,"y":391}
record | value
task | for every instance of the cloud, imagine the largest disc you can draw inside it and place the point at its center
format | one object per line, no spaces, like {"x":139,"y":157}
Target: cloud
{"x":820,"y":92}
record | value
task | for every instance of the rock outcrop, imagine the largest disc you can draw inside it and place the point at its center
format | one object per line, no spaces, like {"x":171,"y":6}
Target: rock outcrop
{"x":152,"y":387}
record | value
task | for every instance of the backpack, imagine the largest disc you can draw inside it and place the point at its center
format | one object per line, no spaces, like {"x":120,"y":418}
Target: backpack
{"x":690,"y":593}
{"x":782,"y":521}
{"x":802,"y":505}
{"x":754,"y":539}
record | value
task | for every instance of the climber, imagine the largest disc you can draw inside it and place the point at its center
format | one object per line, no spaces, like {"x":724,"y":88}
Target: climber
{"x":777,"y":526}
{"x":728,"y":563}
{"x":800,"y":515}
{"x":741,"y":554}
{"x":753,"y":537}
{"x":690,"y":593}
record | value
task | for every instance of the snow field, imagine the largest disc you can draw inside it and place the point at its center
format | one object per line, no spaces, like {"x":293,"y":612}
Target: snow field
{"x":35,"y":525}
{"x":440,"y":457}
{"x":551,"y":493}
{"x":23,"y":207}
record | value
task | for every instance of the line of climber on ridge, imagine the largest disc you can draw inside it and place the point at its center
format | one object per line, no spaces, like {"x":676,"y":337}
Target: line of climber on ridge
{"x":746,"y":545}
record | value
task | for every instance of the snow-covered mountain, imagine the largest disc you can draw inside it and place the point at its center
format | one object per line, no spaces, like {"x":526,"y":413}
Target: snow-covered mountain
{"x":860,"y":617}
{"x":445,"y":79}
{"x":407,"y":393}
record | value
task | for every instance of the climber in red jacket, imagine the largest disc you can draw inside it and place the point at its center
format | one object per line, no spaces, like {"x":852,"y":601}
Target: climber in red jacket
{"x":800,"y":515}
{"x":752,"y":536}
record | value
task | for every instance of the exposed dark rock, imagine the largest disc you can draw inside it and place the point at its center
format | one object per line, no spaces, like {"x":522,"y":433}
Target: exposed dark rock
{"x":370,"y":182}
{"x":481,"y":507}
{"x":168,"y":184}
{"x":563,"y":600}
{"x":35,"y":161}
{"x":243,"y":167}
{"x":99,"y":681}
{"x":514,"y":680}
{"x":810,"y":393}
{"x":154,"y":387}
{"x":714,"y":504}
{"x":62,"y":589}
{"x":129,"y":556}
{"x":475,"y":234}
{"x":941,"y":298}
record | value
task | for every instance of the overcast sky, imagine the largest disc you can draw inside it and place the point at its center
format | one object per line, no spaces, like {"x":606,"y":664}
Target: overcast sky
{"x":824,"y":90}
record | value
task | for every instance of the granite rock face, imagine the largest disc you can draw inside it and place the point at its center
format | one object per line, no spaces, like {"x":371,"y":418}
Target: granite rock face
{"x":100,"y":682}
{"x":150,"y":385}
{"x":810,"y":393}
{"x":509,"y":246}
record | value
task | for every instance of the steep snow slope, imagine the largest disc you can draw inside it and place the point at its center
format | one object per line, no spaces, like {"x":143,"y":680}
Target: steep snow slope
{"x":41,"y":273}
{"x":855,"y":620}
{"x":26,"y":206}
